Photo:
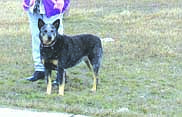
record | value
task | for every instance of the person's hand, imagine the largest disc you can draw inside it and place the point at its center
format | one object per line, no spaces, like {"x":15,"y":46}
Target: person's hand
{"x":31,"y":2}
{"x":58,"y":4}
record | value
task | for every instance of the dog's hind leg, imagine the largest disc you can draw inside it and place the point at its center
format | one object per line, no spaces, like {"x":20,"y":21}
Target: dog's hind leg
{"x":61,"y":81}
{"x":94,"y":87}
{"x":87,"y":61}
{"x":95,"y":80}
{"x":94,"y":61}
{"x":48,"y":79}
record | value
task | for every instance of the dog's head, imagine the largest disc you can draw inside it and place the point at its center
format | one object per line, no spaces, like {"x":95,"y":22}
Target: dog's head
{"x":48,"y":32}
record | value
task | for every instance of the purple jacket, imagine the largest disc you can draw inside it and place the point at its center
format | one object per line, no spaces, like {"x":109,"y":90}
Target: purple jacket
{"x":48,"y":5}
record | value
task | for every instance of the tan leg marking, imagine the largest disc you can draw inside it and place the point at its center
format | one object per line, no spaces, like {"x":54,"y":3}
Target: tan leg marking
{"x":55,"y":62}
{"x":61,"y":87}
{"x":49,"y":85}
{"x":94,"y":87}
{"x":61,"y":90}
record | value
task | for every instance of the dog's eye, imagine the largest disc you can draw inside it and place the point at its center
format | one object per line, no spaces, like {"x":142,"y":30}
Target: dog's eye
{"x":45,"y":31}
{"x":52,"y":31}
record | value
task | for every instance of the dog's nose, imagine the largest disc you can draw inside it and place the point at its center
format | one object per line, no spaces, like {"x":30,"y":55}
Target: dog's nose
{"x":49,"y":38}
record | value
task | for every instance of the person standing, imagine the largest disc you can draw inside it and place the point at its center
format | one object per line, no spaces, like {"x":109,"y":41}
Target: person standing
{"x":48,"y":11}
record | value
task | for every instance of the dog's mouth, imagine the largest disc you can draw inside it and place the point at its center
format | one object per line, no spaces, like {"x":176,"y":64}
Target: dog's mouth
{"x":47,"y":40}
{"x":48,"y":43}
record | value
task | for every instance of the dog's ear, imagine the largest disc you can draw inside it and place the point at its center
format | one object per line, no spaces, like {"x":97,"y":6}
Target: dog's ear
{"x":56,"y":23}
{"x":40,"y":23}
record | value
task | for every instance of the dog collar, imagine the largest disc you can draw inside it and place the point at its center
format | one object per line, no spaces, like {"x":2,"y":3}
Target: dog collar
{"x":51,"y":45}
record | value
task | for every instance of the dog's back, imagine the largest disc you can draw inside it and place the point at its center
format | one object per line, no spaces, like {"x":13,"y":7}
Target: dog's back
{"x":74,"y":48}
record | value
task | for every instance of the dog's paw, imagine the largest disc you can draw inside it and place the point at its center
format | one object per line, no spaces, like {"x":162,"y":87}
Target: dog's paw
{"x":48,"y":93}
{"x":61,"y":94}
{"x":93,"y":90}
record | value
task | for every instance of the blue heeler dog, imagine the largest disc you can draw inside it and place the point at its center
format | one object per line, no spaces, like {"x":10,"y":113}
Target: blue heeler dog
{"x":59,"y":52}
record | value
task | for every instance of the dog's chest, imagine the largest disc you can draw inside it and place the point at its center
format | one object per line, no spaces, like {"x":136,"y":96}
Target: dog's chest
{"x":51,"y":63}
{"x":49,"y":57}
{"x":49,"y":52}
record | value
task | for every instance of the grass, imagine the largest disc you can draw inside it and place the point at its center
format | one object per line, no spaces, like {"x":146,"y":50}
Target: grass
{"x":141,"y":69}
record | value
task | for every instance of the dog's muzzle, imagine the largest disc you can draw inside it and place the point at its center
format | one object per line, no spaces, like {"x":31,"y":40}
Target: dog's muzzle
{"x":49,"y":43}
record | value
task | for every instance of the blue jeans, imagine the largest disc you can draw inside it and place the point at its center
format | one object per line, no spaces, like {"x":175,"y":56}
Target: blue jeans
{"x":33,"y":20}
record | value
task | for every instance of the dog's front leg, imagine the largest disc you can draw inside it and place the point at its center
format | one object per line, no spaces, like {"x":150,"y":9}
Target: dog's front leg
{"x":48,"y":80}
{"x":61,"y":81}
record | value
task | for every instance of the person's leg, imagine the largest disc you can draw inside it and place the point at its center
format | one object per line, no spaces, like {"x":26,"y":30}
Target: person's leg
{"x":38,"y":66}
